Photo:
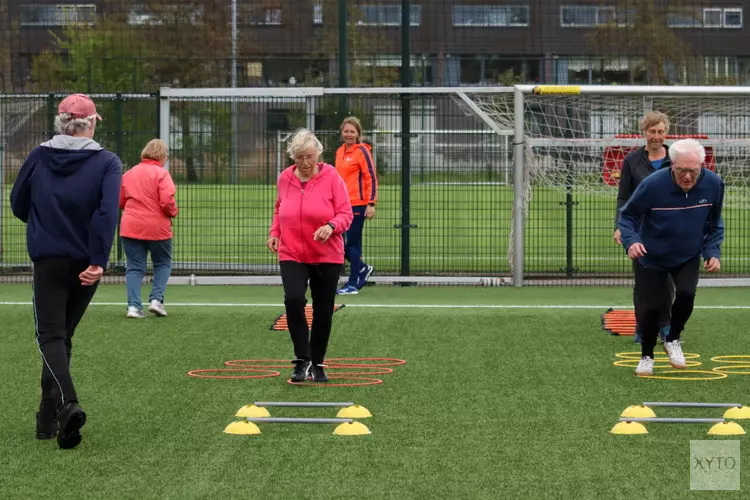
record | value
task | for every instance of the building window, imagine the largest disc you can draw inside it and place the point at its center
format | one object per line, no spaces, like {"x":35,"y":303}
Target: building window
{"x":317,"y":12}
{"x":710,"y":17}
{"x":684,"y":19}
{"x":142,"y":15}
{"x":574,"y":16}
{"x":388,"y":15}
{"x":590,"y":16}
{"x":264,"y":17}
{"x":57,"y":15}
{"x":732,"y":18}
{"x":491,"y":15}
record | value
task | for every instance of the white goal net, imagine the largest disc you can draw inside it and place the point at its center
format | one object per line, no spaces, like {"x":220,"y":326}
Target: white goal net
{"x":577,"y":143}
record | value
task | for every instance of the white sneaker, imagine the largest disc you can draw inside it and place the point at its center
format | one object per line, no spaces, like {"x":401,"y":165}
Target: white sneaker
{"x":645,"y":366}
{"x":134,"y":312}
{"x":674,"y":351}
{"x":157,"y":308}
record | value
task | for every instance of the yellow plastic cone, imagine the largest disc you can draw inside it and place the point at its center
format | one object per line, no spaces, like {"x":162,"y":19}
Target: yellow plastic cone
{"x":737,"y":413}
{"x":638,"y":411}
{"x":355,"y":411}
{"x":351,"y":429}
{"x":242,"y":427}
{"x":726,"y":429}
{"x":629,"y":428}
{"x":252,"y":411}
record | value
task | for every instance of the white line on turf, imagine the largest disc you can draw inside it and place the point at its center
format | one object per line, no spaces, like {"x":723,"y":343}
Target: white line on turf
{"x":401,"y":306}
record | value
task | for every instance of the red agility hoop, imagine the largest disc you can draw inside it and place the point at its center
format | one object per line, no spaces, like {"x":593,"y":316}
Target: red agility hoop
{"x":267,"y":374}
{"x":336,"y":362}
{"x":258,"y":363}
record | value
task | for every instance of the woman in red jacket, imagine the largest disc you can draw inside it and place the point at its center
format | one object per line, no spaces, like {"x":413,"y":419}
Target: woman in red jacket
{"x":148,"y":204}
{"x":311,"y":214}
{"x":355,"y":165}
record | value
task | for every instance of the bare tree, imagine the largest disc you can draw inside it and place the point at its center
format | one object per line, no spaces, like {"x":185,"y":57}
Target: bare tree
{"x":640,"y":29}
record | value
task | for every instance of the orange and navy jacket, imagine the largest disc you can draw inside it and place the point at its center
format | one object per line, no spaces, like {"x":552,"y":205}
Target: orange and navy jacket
{"x":356,"y":166}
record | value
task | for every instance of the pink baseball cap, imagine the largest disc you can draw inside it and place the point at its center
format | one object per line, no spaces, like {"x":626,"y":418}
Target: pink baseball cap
{"x":78,"y":106}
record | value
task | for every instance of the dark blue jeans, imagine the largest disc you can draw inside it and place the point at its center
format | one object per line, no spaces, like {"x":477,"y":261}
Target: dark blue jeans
{"x":136,"y":252}
{"x":353,"y":247}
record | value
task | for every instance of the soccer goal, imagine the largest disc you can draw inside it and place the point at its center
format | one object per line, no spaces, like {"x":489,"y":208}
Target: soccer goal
{"x":573,"y":139}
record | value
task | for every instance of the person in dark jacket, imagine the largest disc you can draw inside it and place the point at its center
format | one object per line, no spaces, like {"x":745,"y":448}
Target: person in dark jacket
{"x":67,"y":192}
{"x":672,"y":219}
{"x":636,"y":166}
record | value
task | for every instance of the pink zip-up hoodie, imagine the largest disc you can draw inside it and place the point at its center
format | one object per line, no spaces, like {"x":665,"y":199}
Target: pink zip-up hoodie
{"x":300,"y":212}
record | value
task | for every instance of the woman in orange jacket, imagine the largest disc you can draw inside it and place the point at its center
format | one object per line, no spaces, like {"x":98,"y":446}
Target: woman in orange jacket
{"x":148,"y":204}
{"x":355,"y":165}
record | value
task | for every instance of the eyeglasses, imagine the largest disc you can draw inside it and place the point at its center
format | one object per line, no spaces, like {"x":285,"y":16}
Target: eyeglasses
{"x":683,"y":171}
{"x":299,"y":159}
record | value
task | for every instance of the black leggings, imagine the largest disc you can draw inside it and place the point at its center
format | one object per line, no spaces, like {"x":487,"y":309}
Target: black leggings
{"x":309,"y":344}
{"x":665,"y":316}
{"x":652,"y":285}
{"x":59,"y":304}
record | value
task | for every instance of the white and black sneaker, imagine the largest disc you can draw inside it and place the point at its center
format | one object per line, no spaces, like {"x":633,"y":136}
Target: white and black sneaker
{"x":301,"y":370}
{"x":674,"y":351}
{"x":645,"y":366}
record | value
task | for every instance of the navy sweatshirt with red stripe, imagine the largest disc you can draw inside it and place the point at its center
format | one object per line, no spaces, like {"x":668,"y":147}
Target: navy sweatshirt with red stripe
{"x":674,"y":225}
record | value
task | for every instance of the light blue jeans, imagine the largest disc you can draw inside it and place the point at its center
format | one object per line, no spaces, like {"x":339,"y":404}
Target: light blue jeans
{"x":136,"y":252}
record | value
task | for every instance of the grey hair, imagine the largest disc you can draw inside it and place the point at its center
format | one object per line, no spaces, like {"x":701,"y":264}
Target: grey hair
{"x":687,"y":146}
{"x":302,"y":140}
{"x":67,"y":125}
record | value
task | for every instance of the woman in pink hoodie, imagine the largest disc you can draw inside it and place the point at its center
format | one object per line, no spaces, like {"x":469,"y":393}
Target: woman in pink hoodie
{"x":148,"y":204}
{"x":311,"y":215}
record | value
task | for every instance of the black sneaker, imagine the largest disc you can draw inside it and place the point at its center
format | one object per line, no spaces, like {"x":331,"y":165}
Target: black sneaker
{"x":318,"y":374}
{"x":71,"y":419}
{"x":301,"y":370}
{"x":46,"y":426}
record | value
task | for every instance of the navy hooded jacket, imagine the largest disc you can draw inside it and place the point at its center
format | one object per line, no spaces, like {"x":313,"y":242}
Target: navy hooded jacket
{"x":675,"y":226}
{"x":67,"y":192}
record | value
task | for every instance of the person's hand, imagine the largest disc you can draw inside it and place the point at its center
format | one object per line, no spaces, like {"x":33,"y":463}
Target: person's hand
{"x":636,"y":250}
{"x":617,"y":237}
{"x":273,"y":244}
{"x":369,"y":212}
{"x":323,"y":233}
{"x":91,"y":275}
{"x":712,"y":265}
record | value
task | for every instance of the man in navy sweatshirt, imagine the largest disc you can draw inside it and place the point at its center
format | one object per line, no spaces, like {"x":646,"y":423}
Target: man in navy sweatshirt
{"x":679,"y":210}
{"x":67,"y":192}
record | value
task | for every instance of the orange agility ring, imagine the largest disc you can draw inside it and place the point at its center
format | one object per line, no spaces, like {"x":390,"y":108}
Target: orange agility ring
{"x":200,"y":373}
{"x":259,"y":363}
{"x":337,"y":362}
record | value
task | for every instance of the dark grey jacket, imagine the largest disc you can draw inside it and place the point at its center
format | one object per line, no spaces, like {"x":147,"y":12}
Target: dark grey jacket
{"x":635,"y":167}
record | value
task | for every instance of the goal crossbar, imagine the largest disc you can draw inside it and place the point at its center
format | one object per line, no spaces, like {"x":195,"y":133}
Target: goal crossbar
{"x":624,"y":142}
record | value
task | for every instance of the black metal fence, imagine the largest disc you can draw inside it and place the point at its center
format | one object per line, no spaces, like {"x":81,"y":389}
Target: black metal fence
{"x":444,"y":210}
